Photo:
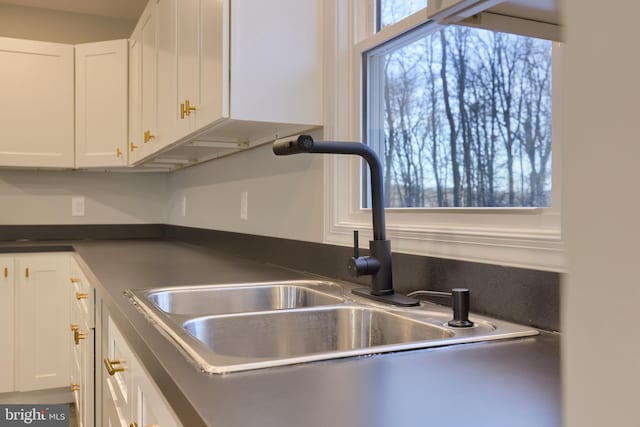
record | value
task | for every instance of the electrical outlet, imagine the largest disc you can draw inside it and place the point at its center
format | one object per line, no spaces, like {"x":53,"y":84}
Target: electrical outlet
{"x":244,"y":205}
{"x":183,"y":206}
{"x":77,"y":206}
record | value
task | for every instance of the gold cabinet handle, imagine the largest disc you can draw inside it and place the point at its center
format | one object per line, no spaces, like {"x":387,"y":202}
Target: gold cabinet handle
{"x":133,"y":147}
{"x":75,"y":387}
{"x":74,"y":326}
{"x":183,"y":111}
{"x":6,"y":272}
{"x":26,"y":272}
{"x":133,"y":425}
{"x":148,"y":136}
{"x":108,"y":363}
{"x":81,"y":295}
{"x":77,"y":336}
{"x":75,"y":280}
{"x":118,"y":152}
{"x":188,"y":108}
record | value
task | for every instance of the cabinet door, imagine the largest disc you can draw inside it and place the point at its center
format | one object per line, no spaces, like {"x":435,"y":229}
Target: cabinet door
{"x":43,"y":353}
{"x":203,"y":60}
{"x":6,"y":323}
{"x":289,"y":88}
{"x":101,"y":104}
{"x":86,"y":397}
{"x":147,"y":29}
{"x":118,"y":386}
{"x":81,"y":298}
{"x":37,"y":117}
{"x":152,"y":410}
{"x":170,"y":126}
{"x":135,"y":97}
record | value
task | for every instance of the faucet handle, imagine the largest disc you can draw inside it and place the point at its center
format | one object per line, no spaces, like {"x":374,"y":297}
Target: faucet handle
{"x":356,"y":247}
{"x":361,"y":266}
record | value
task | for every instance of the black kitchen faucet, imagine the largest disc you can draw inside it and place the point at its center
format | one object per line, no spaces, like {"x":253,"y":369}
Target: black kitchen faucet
{"x":378,"y":263}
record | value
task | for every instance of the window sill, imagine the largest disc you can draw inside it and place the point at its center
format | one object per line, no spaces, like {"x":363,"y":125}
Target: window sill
{"x":524,"y":248}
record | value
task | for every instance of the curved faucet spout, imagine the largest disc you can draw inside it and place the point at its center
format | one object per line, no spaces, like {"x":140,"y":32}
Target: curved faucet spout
{"x":380,"y":247}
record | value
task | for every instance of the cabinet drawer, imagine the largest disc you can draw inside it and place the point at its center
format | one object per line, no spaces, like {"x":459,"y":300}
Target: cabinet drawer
{"x":82,"y":295}
{"x":121,"y":362}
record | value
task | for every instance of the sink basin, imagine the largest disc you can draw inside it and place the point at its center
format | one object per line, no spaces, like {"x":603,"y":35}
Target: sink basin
{"x":300,"y":333}
{"x":223,"y":299}
{"x":239,"y":327}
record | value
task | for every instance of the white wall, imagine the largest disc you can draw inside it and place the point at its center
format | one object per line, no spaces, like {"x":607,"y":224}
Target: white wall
{"x":601,"y":300}
{"x":285,"y":195}
{"x":44,"y":197}
{"x":60,"y":27}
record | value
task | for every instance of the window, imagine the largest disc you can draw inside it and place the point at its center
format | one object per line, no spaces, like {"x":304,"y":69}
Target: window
{"x":384,"y":85}
{"x":391,"y":11}
{"x":461,"y":117}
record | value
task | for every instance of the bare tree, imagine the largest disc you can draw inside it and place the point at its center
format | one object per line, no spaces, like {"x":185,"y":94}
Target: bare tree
{"x":453,"y":133}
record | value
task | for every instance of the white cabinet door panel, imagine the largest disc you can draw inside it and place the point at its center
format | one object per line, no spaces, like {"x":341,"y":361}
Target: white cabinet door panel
{"x":43,"y":353}
{"x":6,"y":323}
{"x":101,"y":104}
{"x":37,"y":108}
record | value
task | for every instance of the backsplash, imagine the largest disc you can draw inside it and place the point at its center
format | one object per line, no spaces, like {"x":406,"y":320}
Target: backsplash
{"x":520,"y":295}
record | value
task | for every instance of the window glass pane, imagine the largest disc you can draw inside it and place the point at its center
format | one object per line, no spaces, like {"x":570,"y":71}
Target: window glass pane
{"x":392,"y":11}
{"x":462,"y":118}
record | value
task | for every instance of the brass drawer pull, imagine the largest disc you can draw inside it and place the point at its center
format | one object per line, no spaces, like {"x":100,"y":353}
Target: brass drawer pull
{"x":148,"y":136}
{"x":77,"y":336}
{"x":75,"y":387}
{"x":75,"y":280}
{"x":74,"y":326}
{"x":26,"y":272}
{"x":6,"y":272}
{"x":81,"y":295}
{"x":118,"y":152}
{"x":109,"y":365}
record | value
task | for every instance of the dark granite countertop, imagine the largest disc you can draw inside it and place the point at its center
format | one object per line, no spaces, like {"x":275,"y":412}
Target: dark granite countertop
{"x":500,"y":384}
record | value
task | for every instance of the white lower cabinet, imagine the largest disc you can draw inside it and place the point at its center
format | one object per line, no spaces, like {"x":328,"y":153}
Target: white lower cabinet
{"x":41,"y":352}
{"x":7,"y":330}
{"x":82,"y":339}
{"x":129,"y":395}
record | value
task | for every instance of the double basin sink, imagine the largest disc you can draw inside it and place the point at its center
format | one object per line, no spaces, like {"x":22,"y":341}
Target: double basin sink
{"x":238,"y":327}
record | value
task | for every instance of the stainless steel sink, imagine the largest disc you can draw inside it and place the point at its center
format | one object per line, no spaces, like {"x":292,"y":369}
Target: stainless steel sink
{"x":222,"y":299}
{"x":228,"y":328}
{"x":300,"y":333}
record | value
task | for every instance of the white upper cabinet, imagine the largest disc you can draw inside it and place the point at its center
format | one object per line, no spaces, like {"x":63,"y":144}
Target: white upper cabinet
{"x":145,"y":44}
{"x":234,"y":73}
{"x":101,"y":104}
{"x":167,"y":110}
{"x":135,"y":97}
{"x":36,"y":108}
{"x":276,"y":67}
{"x":202,"y":38}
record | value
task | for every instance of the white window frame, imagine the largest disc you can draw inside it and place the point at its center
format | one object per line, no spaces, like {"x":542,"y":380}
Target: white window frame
{"x":521,"y":237}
